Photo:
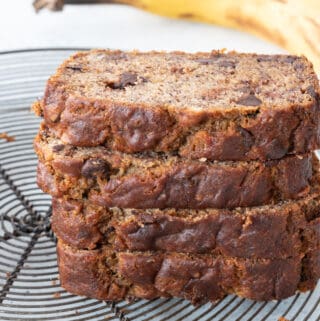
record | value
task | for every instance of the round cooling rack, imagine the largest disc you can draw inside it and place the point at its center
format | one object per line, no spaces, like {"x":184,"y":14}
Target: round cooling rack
{"x":29,"y":284}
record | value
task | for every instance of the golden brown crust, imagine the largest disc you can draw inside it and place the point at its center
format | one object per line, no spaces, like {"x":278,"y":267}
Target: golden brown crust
{"x":127,"y":181}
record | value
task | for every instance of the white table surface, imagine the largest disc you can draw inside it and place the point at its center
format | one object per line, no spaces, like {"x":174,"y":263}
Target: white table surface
{"x":113,"y":26}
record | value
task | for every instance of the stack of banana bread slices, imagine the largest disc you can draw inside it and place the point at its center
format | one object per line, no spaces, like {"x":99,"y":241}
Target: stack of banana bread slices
{"x":186,"y":175}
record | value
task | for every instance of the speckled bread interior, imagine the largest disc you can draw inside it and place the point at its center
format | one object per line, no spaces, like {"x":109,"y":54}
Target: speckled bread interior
{"x":222,"y":106}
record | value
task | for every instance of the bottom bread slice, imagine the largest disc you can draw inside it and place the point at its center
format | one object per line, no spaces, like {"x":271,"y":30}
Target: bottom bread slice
{"x":107,"y":275}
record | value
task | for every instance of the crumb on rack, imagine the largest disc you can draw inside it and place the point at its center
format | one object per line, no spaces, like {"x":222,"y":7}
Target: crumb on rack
{"x":283,"y":319}
{"x":8,"y":138}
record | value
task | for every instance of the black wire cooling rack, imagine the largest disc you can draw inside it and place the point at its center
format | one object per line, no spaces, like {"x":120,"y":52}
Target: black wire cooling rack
{"x":29,"y":284}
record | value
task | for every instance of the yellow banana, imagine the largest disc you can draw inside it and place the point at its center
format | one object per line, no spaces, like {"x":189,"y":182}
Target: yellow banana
{"x":292,"y":24}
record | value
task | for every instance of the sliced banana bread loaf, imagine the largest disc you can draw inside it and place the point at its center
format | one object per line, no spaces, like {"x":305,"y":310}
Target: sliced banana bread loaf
{"x":107,"y":275}
{"x":222,"y":106}
{"x":162,"y":181}
{"x":278,"y":231}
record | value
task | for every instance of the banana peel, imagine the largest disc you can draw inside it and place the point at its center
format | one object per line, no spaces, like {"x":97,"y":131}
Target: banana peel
{"x":292,"y":24}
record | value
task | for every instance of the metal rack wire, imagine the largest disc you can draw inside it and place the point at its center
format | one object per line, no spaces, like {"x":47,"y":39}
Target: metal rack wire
{"x":29,"y":284}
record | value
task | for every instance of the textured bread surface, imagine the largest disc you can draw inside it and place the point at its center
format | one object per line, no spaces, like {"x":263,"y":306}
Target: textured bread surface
{"x":215,"y":105}
{"x":278,"y":231}
{"x":107,"y":275}
{"x":151,"y":181}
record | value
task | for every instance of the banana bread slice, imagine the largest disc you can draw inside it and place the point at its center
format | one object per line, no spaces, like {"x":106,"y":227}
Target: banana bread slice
{"x":222,"y":106}
{"x":162,"y":181}
{"x":107,"y":275}
{"x":278,"y":231}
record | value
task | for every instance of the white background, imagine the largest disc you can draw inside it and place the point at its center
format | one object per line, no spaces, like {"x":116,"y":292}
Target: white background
{"x":113,"y":26}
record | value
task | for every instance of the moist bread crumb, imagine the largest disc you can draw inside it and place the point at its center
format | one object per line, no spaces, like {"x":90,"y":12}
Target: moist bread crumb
{"x":222,"y":106}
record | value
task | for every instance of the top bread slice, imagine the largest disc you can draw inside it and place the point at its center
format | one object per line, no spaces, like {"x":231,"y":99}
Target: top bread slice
{"x":221,"y":106}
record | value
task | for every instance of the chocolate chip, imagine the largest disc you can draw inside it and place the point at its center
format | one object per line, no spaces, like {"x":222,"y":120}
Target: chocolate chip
{"x":109,"y":230}
{"x":96,"y":167}
{"x":299,"y":66}
{"x":290,"y":59}
{"x":174,"y":153}
{"x":58,"y":148}
{"x":248,"y":138}
{"x":253,"y":115}
{"x":310,"y":91}
{"x":75,"y":67}
{"x":227,"y":63}
{"x":265,"y":58}
{"x":126,"y":79}
{"x":249,"y":100}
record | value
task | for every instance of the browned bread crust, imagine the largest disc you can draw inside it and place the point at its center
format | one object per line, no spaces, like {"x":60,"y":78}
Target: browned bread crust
{"x":279,"y":231}
{"x":107,"y":275}
{"x":139,"y":181}
{"x":214,"y":105}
